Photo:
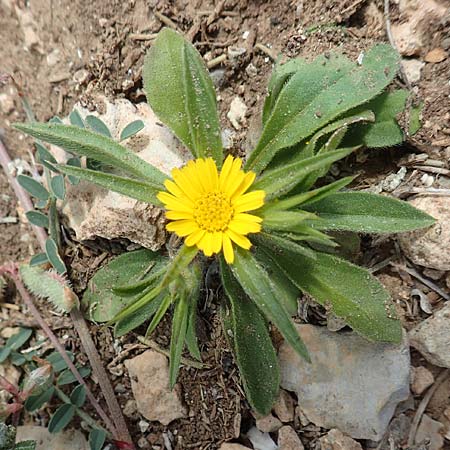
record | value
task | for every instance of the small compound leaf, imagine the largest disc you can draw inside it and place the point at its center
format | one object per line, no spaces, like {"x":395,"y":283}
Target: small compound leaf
{"x":25,"y":445}
{"x":74,"y":162}
{"x":57,"y":362}
{"x":76,"y":120}
{"x":62,"y":417}
{"x":58,"y":186}
{"x":97,"y":439}
{"x":78,"y":396}
{"x":254,"y":351}
{"x":67,"y":377}
{"x":39,"y":259}
{"x":35,"y":402}
{"x":97,"y":125}
{"x":33,"y":187}
{"x":366,"y":213}
{"x":37,"y":218}
{"x":51,"y":250}
{"x":4,"y":353}
{"x":131,"y":129}
{"x":20,"y":338}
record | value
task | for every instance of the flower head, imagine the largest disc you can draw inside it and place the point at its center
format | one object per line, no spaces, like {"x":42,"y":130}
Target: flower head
{"x":209,"y":208}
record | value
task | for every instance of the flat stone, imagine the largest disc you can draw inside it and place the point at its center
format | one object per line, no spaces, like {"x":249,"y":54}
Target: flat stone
{"x":237,"y":112}
{"x":421,"y":379}
{"x":284,"y":407}
{"x":430,"y":247}
{"x":413,"y":69}
{"x":352,"y":384}
{"x":432,"y":337}
{"x":65,"y":440}
{"x":92,"y":211}
{"x":149,"y":374}
{"x":268,"y":424}
{"x":228,"y":446}
{"x":430,"y":430}
{"x":336,"y":440}
{"x":288,"y":439}
{"x":436,"y":55}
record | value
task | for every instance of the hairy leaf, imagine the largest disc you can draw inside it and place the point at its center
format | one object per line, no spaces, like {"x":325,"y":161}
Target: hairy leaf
{"x":179,"y":328}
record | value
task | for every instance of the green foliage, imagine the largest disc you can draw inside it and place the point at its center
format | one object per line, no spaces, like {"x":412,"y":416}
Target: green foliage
{"x":13,"y":344}
{"x":173,"y":65}
{"x":131,"y":129}
{"x":316,"y":113}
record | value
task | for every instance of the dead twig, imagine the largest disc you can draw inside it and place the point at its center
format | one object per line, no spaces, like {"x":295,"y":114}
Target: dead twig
{"x":216,"y":61}
{"x":143,"y":36}
{"x":387,"y":20}
{"x":166,"y":21}
{"x":423,"y":405}
{"x":269,"y":52}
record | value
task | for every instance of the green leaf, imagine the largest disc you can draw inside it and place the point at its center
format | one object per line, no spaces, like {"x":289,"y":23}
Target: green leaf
{"x":92,"y":145}
{"x":276,"y":242}
{"x":58,"y":186}
{"x":281,"y":180}
{"x":75,"y":162}
{"x":159,"y":314}
{"x":139,"y":190}
{"x":138,"y":317}
{"x":53,"y":256}
{"x":97,"y":125}
{"x":258,"y":286}
{"x":62,"y":417}
{"x":38,"y":259}
{"x":44,"y":154}
{"x":183,"y":258}
{"x":20,"y":338}
{"x":414,"y":118}
{"x":385,"y":131}
{"x":367,"y":213}
{"x":17,"y":359}
{"x":4,"y":353}
{"x":67,"y":377}
{"x":191,"y":336}
{"x":179,"y":328}
{"x":55,"y":119}
{"x":78,"y":396}
{"x":37,"y":218}
{"x":33,"y":187}
{"x":35,"y":402}
{"x":253,"y":348}
{"x":25,"y":445}
{"x":100,"y":301}
{"x":308,"y":197}
{"x":97,"y":439}
{"x":75,"y":119}
{"x":321,"y":92}
{"x":181,"y":93}
{"x":285,"y":220}
{"x":57,"y":362}
{"x":351,"y":292}
{"x":131,"y":129}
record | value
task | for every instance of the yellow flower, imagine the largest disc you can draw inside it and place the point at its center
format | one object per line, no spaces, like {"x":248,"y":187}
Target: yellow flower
{"x":210,"y":209}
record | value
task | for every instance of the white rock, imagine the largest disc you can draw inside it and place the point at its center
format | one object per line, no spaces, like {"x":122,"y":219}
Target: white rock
{"x":430,"y":247}
{"x":352,"y":384}
{"x":237,"y":112}
{"x":28,"y":25}
{"x":284,"y":407}
{"x":413,"y":69}
{"x":336,"y":440}
{"x":268,"y":424}
{"x":6,"y":103}
{"x":432,"y":337}
{"x":53,"y":57}
{"x":65,"y":440}
{"x":92,"y":211}
{"x":260,"y":440}
{"x":149,"y":374}
{"x":288,"y":439}
{"x":430,"y":430}
{"x":421,"y":379}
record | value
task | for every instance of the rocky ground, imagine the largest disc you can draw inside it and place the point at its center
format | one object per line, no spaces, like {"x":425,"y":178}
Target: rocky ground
{"x":354,"y":395}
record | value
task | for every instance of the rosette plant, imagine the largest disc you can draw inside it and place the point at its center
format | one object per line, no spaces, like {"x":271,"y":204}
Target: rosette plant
{"x":270,"y":221}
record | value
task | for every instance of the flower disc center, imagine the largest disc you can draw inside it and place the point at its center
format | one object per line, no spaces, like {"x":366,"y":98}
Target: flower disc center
{"x":213,"y":211}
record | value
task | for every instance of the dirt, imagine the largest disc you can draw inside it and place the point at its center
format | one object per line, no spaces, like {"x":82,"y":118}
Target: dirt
{"x":75,"y":50}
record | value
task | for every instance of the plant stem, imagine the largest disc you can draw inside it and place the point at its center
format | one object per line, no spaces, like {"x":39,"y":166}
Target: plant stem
{"x":23,"y":197}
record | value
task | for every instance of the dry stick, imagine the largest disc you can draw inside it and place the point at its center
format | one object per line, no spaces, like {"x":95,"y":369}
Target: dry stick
{"x":121,"y":431}
{"x":423,"y":405}
{"x":54,"y":340}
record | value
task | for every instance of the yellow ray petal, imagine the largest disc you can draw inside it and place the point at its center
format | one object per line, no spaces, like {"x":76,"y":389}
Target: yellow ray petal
{"x":185,"y":183}
{"x":244,"y":185}
{"x":205,"y":244}
{"x":240,"y":240}
{"x":225,"y":172}
{"x":228,"y":249}
{"x":172,"y":202}
{"x":194,"y":238}
{"x":213,"y":175}
{"x":178,"y":215}
{"x":250,"y":201}
{"x":182,"y":227}
{"x":217,"y":242}
{"x":244,"y":227}
{"x":174,"y":189}
{"x":234,"y":172}
{"x":243,"y":217}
